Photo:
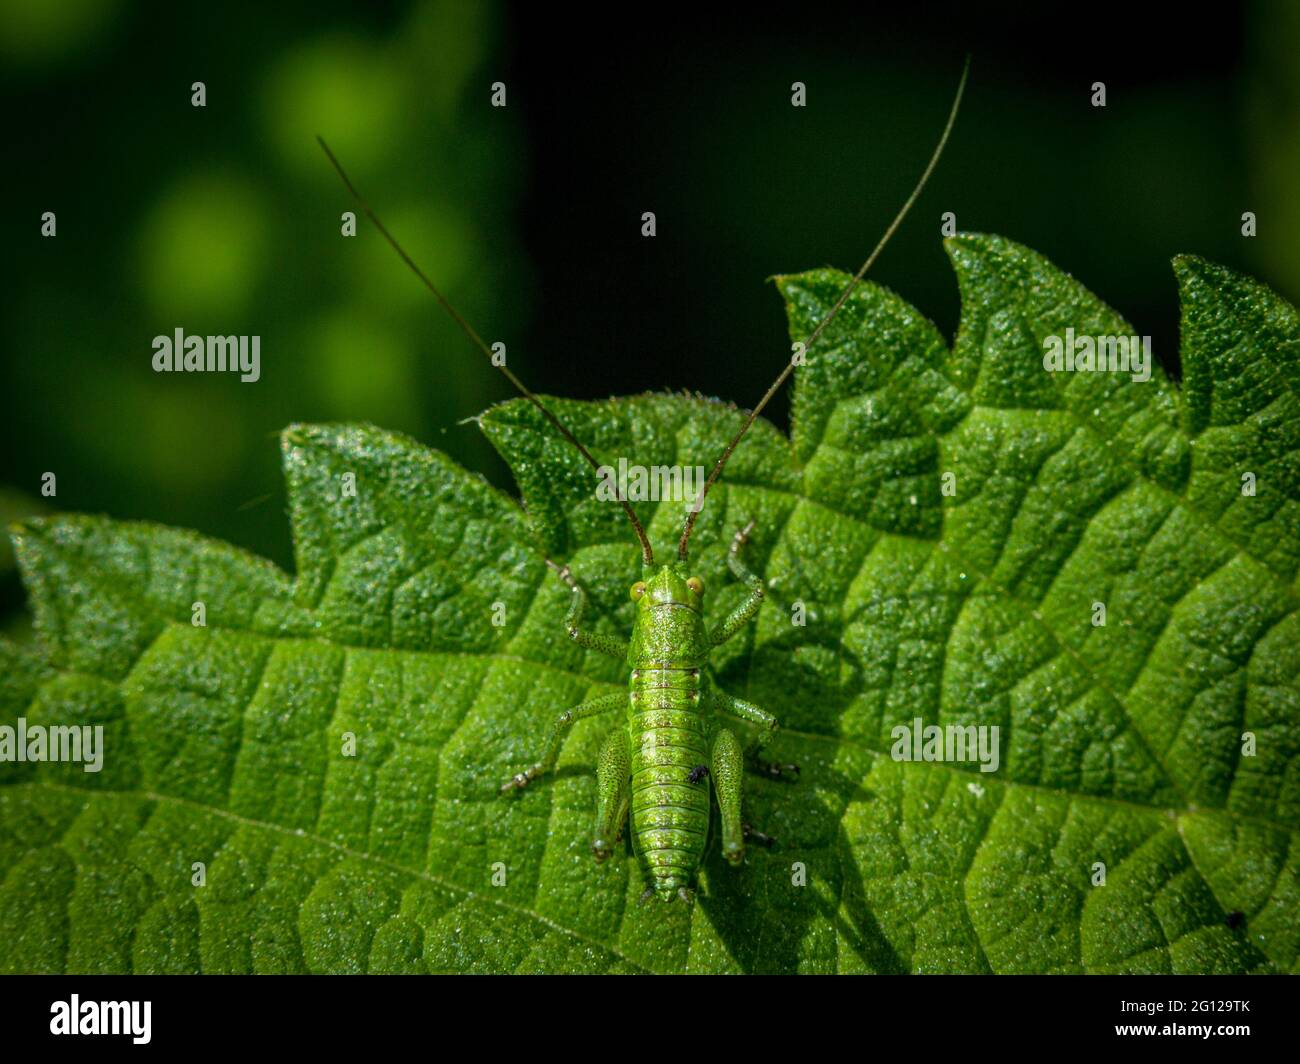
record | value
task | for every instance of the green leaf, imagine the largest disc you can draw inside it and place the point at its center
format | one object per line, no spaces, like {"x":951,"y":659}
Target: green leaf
{"x":946,"y":518}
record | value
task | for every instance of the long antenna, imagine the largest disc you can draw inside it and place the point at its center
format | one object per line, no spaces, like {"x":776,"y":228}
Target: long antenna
{"x":647,"y":554}
{"x":821,"y":325}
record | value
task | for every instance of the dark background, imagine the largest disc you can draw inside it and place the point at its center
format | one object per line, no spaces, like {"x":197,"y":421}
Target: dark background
{"x":225,"y":219}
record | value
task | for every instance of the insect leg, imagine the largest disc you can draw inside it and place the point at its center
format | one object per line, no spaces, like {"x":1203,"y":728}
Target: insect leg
{"x":612,"y":792}
{"x":604,"y":704}
{"x":605,"y":644}
{"x":742,"y":614}
{"x":747,"y":711}
{"x":728,"y":783}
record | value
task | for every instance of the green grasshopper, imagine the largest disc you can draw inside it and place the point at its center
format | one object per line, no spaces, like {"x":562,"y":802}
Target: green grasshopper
{"x":674,"y":736}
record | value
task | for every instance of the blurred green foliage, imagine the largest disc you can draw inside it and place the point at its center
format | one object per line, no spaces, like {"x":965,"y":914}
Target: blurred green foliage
{"x":226,"y":219}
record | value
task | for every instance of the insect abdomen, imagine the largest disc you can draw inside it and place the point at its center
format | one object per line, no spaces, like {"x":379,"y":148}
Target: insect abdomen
{"x":669,"y":813}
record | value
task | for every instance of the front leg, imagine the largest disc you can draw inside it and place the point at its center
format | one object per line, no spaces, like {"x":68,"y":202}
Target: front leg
{"x":605,"y":644}
{"x":604,"y":704}
{"x":742,"y":614}
{"x":613,"y":790}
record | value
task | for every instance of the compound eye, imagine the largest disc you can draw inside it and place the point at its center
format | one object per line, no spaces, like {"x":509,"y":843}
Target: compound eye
{"x":696,"y":585}
{"x":638,"y":589}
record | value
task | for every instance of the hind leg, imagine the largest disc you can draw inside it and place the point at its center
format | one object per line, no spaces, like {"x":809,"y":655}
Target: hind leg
{"x":612,"y":791}
{"x":728,"y":771}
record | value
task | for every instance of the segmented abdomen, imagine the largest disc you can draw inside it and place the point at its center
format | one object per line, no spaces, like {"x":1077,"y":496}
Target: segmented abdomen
{"x":669,"y":813}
